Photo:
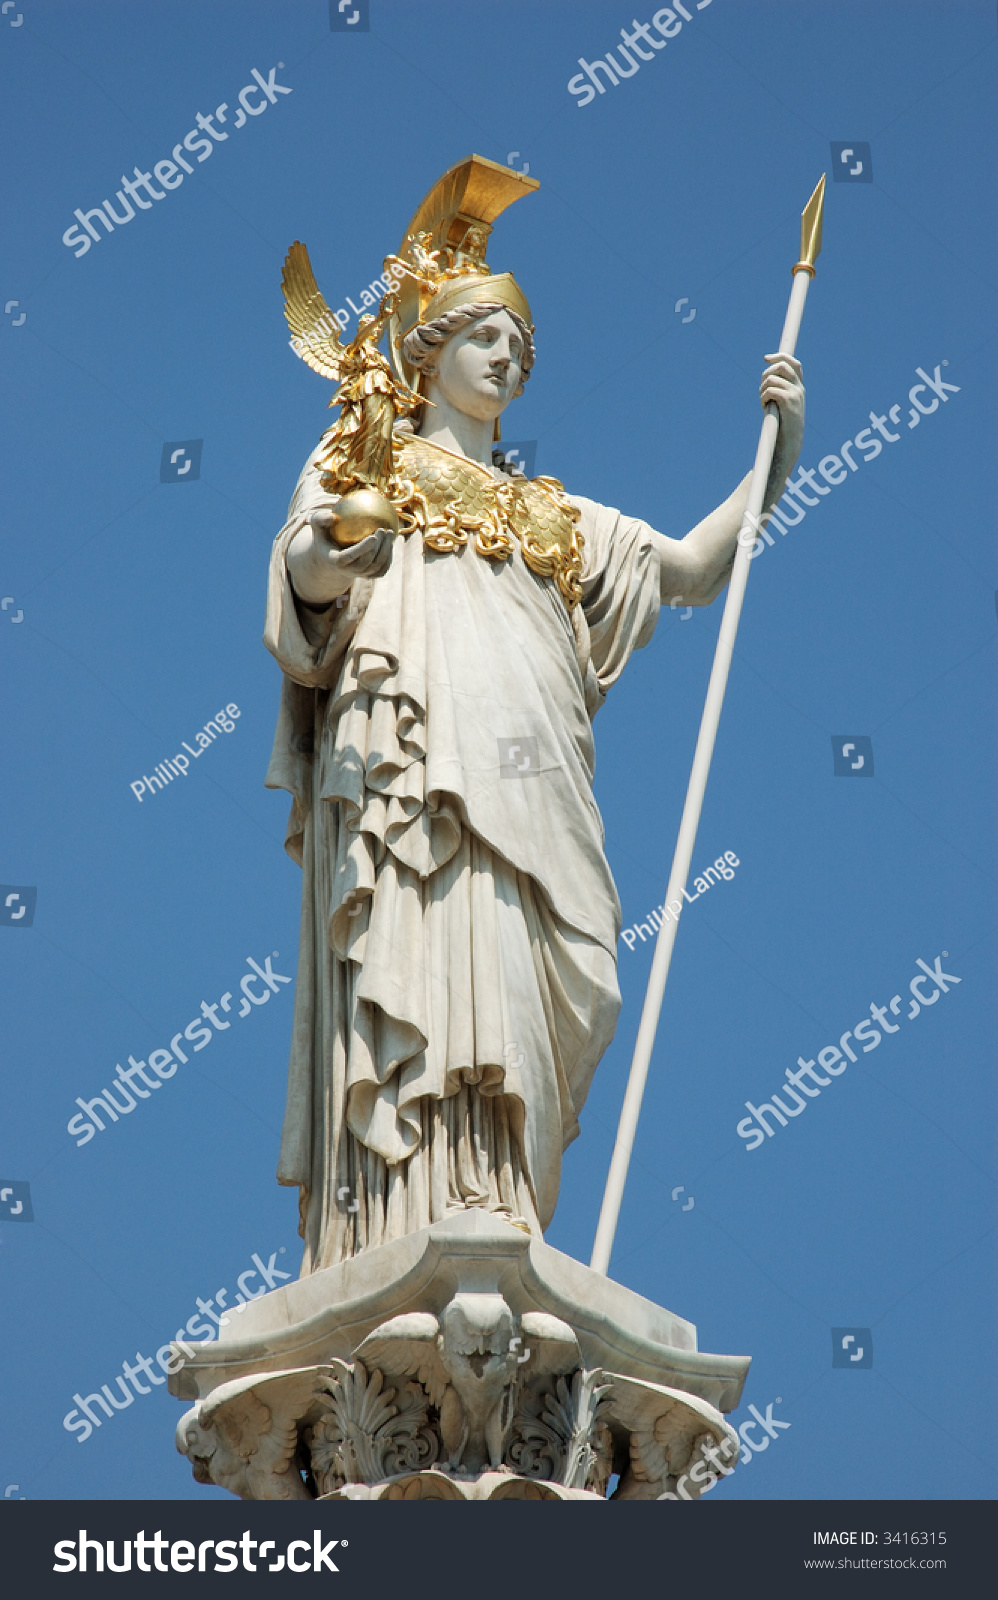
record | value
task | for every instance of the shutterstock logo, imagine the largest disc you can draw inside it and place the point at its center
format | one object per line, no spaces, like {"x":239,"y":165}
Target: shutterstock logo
{"x":349,"y":16}
{"x":852,"y":1347}
{"x":17,"y":904}
{"x":180,"y":1555}
{"x":517,"y":457}
{"x":852,"y":163}
{"x":181,"y":461}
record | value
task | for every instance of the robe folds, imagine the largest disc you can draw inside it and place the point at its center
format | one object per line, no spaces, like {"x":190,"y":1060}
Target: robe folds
{"x":456,"y":981}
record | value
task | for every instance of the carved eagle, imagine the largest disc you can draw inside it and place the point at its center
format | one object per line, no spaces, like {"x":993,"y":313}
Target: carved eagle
{"x":468,"y":1362}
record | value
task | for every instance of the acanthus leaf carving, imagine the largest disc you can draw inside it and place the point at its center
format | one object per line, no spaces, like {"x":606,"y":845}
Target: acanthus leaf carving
{"x":370,"y":1430}
{"x":560,"y":1435}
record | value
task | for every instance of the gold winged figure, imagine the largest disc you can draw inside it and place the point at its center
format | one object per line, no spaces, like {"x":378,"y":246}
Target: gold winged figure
{"x":356,"y":457}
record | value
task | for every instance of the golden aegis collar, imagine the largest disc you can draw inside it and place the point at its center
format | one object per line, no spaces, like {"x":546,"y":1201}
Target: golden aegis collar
{"x":448,"y":499}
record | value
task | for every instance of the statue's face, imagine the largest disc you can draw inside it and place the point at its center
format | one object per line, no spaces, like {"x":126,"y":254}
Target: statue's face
{"x":478,"y":370}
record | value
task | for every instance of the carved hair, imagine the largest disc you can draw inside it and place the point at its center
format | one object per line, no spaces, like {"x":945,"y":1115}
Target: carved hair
{"x":427,"y":339}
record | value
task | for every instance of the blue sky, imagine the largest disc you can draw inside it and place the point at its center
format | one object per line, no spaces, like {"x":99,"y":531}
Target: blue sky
{"x":141,"y":608}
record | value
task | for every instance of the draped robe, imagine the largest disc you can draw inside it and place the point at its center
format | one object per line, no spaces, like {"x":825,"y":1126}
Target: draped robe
{"x":456,"y":981}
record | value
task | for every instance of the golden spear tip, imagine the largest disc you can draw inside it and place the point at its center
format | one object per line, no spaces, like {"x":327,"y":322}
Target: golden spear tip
{"x":810,"y":227}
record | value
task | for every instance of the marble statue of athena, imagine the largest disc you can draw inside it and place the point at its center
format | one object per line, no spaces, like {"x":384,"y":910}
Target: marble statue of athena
{"x":456,"y":982}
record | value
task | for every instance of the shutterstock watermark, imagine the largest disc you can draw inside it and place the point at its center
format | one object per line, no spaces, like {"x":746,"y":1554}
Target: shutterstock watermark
{"x":717,"y":1456}
{"x":389,"y":281}
{"x":790,"y":510}
{"x":607,"y":71}
{"x":196,"y":1326}
{"x":867,"y":1034}
{"x":163,"y":1063}
{"x":253,"y":98}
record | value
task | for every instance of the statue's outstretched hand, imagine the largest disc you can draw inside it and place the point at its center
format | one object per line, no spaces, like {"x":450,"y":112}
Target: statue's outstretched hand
{"x":368,"y":558}
{"x":321,"y":569}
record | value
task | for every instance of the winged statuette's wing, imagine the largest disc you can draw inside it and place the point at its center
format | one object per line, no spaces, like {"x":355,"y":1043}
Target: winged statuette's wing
{"x":407,"y":1346}
{"x":315,"y":332}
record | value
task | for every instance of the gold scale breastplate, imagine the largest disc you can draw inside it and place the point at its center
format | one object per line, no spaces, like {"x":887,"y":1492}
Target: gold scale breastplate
{"x":447,"y":499}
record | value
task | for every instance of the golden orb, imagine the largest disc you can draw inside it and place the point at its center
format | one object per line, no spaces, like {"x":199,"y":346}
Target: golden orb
{"x":360,"y":512}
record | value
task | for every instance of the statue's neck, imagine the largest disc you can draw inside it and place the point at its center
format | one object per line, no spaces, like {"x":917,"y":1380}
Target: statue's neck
{"x":444,"y":425}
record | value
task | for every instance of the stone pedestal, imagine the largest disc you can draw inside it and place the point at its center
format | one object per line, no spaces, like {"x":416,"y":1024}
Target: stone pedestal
{"x":464,"y":1362}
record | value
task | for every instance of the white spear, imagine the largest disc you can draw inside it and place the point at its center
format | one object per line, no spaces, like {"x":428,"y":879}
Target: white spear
{"x":803,"y":272}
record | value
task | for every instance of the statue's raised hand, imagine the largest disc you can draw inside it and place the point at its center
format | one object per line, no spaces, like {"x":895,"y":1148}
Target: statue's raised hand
{"x":783,"y":382}
{"x":321,"y":570}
